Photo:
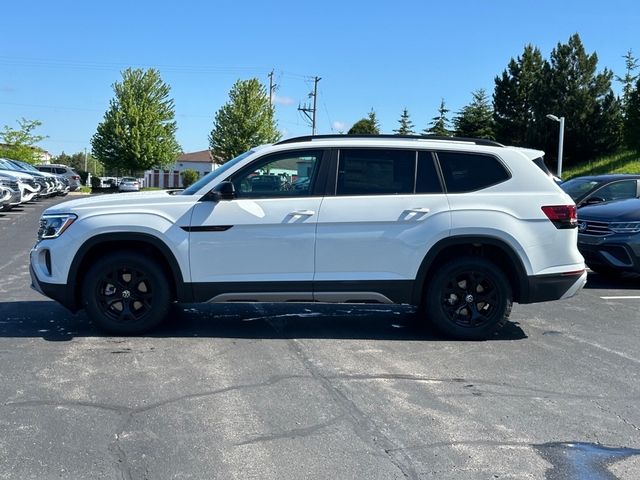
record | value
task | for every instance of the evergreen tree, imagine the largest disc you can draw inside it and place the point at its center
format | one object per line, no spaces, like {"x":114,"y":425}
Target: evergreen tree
{"x":629,"y":78}
{"x":245,"y":121}
{"x":632,"y":119}
{"x":517,"y":99}
{"x":406,"y":125}
{"x":475,"y":120}
{"x":584,"y":97}
{"x":439,"y":125}
{"x":138,"y":130}
{"x":366,"y":126}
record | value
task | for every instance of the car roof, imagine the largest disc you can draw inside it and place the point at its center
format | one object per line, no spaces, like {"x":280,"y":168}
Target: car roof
{"x":607,"y":177}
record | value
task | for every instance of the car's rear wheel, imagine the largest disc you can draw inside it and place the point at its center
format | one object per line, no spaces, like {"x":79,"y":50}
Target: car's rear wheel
{"x":126,"y":293}
{"x":469,"y":298}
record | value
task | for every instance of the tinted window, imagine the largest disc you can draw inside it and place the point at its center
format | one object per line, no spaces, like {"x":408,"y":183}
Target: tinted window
{"x":427,"y":180}
{"x":290,"y":174}
{"x":376,"y":172}
{"x":60,"y":171}
{"x":466,"y":172}
{"x":617,"y":191}
{"x":44,"y":169}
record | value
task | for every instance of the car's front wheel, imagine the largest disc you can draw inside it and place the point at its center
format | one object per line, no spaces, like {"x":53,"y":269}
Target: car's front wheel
{"x":468,"y":298}
{"x":126,"y":293}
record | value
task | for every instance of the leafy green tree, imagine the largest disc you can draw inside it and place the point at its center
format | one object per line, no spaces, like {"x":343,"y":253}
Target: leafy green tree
{"x":439,"y":125}
{"x":245,"y":121}
{"x":373,"y":118}
{"x":138,"y":130}
{"x":189,"y":177}
{"x":406,"y":125}
{"x":632,"y":119}
{"x":20,"y":144}
{"x":77,"y":162}
{"x":364,"y":126}
{"x":517,"y":99}
{"x":575,"y":90}
{"x":475,"y":120}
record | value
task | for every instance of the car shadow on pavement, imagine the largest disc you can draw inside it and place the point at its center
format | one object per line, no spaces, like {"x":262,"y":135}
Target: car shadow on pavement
{"x":52,"y":322}
{"x":623,"y":281}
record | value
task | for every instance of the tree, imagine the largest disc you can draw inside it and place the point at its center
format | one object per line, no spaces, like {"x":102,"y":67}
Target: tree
{"x":575,"y":90}
{"x":517,"y":99}
{"x":138,"y":130}
{"x":366,"y":126}
{"x":632,"y":64}
{"x":245,"y":121}
{"x":189,"y":176}
{"x":78,"y":163}
{"x":21,"y":144}
{"x":439,"y":125}
{"x":475,"y":120}
{"x":632,"y":119}
{"x":406,"y":125}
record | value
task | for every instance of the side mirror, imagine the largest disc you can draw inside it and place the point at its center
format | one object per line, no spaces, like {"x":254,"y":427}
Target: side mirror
{"x":222,"y":191}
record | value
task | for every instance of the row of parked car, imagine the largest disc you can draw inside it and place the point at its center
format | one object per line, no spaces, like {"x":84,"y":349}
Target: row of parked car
{"x":22,"y":182}
{"x":608,"y":221}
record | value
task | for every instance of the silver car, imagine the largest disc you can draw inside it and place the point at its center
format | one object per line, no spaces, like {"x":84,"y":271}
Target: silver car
{"x":64,"y":171}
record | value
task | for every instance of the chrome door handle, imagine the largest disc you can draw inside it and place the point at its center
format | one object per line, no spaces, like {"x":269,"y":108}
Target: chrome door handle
{"x":302,"y":213}
{"x":418,"y":210}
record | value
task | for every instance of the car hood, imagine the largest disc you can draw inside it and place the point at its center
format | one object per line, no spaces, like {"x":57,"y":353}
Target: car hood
{"x":17,"y":174}
{"x":125,"y":202}
{"x":619,"y":211}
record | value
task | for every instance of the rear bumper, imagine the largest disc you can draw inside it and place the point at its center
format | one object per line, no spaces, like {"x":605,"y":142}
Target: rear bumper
{"x":545,"y":288}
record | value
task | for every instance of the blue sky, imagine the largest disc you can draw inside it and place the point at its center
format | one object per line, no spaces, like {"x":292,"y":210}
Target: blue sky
{"x":58,"y":60}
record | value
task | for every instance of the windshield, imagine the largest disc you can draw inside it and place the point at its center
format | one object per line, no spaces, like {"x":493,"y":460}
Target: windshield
{"x":217,"y":172}
{"x":7,"y":165}
{"x":578,"y":187}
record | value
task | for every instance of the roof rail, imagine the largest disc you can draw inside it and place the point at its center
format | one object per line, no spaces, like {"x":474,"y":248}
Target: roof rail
{"x":309,"y":138}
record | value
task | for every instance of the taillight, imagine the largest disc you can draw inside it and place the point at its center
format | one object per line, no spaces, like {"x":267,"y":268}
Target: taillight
{"x":562,"y":216}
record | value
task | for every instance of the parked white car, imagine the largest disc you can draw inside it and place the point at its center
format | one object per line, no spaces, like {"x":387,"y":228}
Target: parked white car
{"x":459,"y":228}
{"x":129,"y":184}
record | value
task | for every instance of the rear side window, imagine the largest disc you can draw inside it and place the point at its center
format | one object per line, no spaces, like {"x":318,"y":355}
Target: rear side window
{"x":467,"y":172}
{"x":427,"y":180}
{"x":376,"y":172}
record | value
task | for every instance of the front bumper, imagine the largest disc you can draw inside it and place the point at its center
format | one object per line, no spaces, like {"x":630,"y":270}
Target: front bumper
{"x":61,"y":293}
{"x":620,"y":252}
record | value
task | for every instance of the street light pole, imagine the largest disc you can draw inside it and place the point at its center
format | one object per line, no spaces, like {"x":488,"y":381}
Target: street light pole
{"x":560,"y":141}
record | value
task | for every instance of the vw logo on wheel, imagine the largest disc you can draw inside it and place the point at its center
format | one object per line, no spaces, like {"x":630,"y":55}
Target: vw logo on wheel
{"x":582,"y":226}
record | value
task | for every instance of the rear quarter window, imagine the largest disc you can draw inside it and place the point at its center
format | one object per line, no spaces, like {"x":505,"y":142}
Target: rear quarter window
{"x":468,"y":172}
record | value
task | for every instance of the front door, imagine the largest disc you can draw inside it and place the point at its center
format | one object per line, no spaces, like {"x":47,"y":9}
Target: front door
{"x":261,"y":244}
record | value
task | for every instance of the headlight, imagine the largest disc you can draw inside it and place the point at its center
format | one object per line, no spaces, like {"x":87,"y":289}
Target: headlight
{"x":625,"y":227}
{"x":54,"y":225}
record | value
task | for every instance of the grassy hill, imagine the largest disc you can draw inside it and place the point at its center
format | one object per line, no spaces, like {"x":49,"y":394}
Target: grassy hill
{"x":621,"y":162}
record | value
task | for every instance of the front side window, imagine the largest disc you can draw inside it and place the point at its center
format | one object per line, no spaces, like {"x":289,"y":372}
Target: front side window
{"x":468,"y":172}
{"x":376,"y":172}
{"x":290,"y":174}
{"x":617,"y":191}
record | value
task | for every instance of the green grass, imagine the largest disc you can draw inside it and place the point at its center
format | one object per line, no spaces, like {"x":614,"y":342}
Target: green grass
{"x":84,"y":189}
{"x":621,"y":162}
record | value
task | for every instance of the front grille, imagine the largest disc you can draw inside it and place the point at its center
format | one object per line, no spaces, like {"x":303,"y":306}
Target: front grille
{"x":10,"y":184}
{"x":30,"y":182}
{"x":599,"y":229}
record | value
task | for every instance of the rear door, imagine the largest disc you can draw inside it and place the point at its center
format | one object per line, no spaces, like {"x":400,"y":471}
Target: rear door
{"x":386,"y":209}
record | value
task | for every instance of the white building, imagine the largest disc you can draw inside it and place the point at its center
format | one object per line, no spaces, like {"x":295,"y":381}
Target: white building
{"x":202,"y":162}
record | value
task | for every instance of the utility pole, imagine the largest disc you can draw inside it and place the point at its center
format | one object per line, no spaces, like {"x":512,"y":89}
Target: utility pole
{"x":272,"y":88}
{"x":306,"y":109}
{"x":85,"y":159}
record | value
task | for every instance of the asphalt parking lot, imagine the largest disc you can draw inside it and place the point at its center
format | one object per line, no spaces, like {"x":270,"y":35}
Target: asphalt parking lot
{"x":315,"y":391}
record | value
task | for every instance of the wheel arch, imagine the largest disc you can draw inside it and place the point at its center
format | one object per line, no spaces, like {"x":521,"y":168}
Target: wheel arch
{"x":141,"y":242}
{"x":494,"y":249}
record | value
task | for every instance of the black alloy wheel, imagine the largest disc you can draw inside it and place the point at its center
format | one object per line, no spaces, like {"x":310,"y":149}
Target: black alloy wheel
{"x":126,"y":293}
{"x":469,"y":298}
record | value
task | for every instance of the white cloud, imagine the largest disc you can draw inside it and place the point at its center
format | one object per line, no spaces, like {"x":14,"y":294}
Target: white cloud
{"x":285,"y":101}
{"x":339,"y":126}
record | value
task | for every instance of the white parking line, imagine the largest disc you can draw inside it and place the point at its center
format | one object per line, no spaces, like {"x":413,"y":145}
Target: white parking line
{"x":627,"y":297}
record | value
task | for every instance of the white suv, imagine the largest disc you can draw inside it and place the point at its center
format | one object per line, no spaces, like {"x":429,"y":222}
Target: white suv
{"x":460,"y":228}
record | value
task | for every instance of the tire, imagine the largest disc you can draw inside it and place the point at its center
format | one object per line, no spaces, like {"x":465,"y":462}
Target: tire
{"x":468,"y":299}
{"x":126,"y":293}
